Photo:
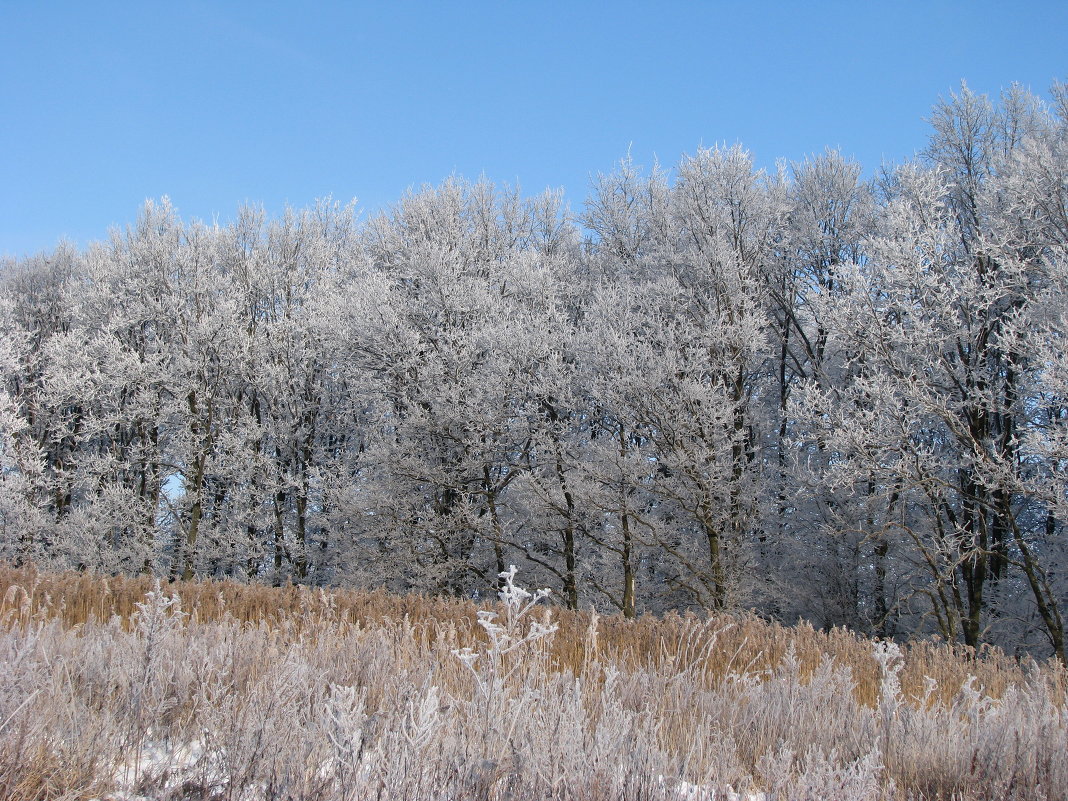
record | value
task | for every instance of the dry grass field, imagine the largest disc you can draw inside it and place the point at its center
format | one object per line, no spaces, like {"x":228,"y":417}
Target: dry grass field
{"x":121,"y":688}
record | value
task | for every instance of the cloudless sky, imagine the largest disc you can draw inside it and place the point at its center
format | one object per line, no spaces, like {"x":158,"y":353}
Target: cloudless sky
{"x":104,"y":104}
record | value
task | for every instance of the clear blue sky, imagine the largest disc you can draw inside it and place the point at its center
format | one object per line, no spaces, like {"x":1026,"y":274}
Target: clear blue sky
{"x":104,"y":104}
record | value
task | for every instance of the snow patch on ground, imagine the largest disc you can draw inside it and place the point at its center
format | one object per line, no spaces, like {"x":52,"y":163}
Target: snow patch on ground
{"x":164,"y":769}
{"x":684,"y":791}
{"x":157,"y":768}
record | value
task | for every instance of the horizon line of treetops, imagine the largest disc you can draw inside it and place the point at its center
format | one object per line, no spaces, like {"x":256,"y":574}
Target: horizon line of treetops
{"x":804,"y":393}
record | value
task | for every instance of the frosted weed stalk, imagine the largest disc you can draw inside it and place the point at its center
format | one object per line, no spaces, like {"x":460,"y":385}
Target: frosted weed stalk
{"x":158,"y":620}
{"x":516,"y":642}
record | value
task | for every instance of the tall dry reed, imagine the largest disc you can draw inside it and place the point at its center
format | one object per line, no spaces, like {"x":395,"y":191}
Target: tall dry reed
{"x":122,"y":687}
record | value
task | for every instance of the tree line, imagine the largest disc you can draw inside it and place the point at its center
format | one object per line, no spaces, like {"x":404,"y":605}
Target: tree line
{"x":798,"y":391}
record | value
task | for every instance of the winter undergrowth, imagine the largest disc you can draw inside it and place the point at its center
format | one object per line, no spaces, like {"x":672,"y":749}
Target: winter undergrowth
{"x":166,"y":703}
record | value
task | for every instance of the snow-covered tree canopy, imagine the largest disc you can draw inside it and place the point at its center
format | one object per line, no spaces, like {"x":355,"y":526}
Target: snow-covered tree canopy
{"x":799,"y":392}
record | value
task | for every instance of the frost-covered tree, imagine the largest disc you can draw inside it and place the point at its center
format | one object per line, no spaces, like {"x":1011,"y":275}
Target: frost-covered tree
{"x":685,"y":314}
{"x":927,"y":428}
{"x":466,"y":276}
{"x":831,"y":213}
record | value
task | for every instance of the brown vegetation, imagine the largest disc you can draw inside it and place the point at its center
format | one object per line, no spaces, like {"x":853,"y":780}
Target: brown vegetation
{"x":110,"y":686}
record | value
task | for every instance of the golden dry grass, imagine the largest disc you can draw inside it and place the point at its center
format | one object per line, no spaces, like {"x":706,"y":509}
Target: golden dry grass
{"x":345,"y":694}
{"x":710,"y":648}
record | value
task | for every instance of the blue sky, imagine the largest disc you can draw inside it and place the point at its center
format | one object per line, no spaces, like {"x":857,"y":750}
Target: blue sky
{"x":104,"y":104}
